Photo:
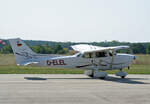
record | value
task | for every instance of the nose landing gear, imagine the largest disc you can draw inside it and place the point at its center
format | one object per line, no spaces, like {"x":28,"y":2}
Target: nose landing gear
{"x":121,"y":74}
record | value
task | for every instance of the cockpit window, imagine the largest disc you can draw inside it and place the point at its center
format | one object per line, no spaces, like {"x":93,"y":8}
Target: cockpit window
{"x":88,"y":55}
{"x":101,"y":54}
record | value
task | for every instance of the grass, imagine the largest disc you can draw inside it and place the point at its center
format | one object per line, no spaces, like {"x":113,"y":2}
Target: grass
{"x":142,"y":60}
{"x":134,"y":69}
{"x":7,"y":59}
{"x":8,"y":66}
{"x":36,"y":70}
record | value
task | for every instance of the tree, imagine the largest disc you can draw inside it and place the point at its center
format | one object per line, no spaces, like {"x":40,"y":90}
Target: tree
{"x":138,"y":48}
{"x":57,"y":48}
{"x":48,"y":49}
{"x":148,"y":49}
{"x":6,"y":49}
{"x":39,"y":49}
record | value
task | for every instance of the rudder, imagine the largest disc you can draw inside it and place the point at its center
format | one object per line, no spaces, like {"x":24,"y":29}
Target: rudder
{"x":22,"y":52}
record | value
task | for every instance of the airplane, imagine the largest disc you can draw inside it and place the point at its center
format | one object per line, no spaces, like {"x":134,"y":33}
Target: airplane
{"x":94,"y":60}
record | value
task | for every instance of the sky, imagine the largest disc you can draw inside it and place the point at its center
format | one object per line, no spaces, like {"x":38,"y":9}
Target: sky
{"x":76,"y":20}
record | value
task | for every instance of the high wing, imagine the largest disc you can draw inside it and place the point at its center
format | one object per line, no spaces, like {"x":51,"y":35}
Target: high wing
{"x":84,"y":48}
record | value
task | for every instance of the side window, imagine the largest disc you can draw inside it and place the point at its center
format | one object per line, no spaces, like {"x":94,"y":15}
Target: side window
{"x":101,"y":54}
{"x":88,"y":55}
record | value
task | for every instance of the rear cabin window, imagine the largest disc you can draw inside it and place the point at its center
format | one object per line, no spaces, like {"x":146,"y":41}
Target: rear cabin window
{"x":101,"y":54}
{"x":88,"y":55}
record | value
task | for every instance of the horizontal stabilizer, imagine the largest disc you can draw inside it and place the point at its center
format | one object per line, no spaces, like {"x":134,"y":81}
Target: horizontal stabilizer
{"x":28,"y":63}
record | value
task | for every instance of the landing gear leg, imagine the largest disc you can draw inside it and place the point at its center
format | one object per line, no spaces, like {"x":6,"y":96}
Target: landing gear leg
{"x":121,"y":74}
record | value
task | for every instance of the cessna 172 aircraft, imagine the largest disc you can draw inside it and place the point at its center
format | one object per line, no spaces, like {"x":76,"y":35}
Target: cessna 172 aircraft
{"x":94,"y":59}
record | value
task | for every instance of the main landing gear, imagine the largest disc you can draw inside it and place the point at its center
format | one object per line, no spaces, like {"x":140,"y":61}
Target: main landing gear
{"x":96,"y":74}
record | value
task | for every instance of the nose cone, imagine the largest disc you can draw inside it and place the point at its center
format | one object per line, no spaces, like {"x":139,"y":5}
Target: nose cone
{"x":127,"y":57}
{"x":131,"y":57}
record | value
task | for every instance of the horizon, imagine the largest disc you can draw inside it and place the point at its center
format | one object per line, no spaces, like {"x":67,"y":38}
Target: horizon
{"x":74,"y":41}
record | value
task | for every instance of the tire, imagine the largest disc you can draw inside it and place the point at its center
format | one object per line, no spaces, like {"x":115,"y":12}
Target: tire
{"x":102,"y":77}
{"x":91,"y":76}
{"x":122,"y":77}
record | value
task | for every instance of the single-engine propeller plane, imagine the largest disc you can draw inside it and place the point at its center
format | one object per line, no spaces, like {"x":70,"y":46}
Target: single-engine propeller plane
{"x":94,"y":59}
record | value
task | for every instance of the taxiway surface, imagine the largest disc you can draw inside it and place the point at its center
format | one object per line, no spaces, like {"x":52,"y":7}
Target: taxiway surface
{"x":73,"y":89}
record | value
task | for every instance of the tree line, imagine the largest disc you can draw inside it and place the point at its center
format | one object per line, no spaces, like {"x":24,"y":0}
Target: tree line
{"x":43,"y":49}
{"x":50,"y":47}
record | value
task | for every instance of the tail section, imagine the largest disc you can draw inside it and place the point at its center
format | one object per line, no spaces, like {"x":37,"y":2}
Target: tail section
{"x":23,"y":53}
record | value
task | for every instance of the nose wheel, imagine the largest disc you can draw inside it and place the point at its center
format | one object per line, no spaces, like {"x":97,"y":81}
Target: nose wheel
{"x":121,"y":74}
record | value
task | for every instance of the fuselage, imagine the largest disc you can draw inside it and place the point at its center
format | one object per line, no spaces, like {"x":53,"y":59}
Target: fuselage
{"x":109,"y":62}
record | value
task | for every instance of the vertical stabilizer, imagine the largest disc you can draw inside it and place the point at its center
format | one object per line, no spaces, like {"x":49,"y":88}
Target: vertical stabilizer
{"x":22,"y":52}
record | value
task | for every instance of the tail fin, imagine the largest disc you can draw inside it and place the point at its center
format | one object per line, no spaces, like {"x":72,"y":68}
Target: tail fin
{"x":22,"y":52}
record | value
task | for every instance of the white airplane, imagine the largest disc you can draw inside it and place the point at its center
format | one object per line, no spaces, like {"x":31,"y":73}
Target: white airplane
{"x":94,"y":59}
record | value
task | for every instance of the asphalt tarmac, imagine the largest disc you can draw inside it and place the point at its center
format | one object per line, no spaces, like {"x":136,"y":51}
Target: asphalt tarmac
{"x":73,"y":89}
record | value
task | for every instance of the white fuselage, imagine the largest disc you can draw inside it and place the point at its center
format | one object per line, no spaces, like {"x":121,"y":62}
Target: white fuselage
{"x":118,"y":61}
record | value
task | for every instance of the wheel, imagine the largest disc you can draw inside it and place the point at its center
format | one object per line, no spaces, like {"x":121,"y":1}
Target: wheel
{"x":122,"y":76}
{"x":91,"y":76}
{"x":102,"y":77}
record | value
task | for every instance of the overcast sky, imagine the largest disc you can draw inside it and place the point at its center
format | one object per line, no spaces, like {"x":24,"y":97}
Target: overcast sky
{"x":76,"y":20}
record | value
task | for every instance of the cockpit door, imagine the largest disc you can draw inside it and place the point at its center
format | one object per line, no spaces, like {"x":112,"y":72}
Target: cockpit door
{"x":103,"y":60}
